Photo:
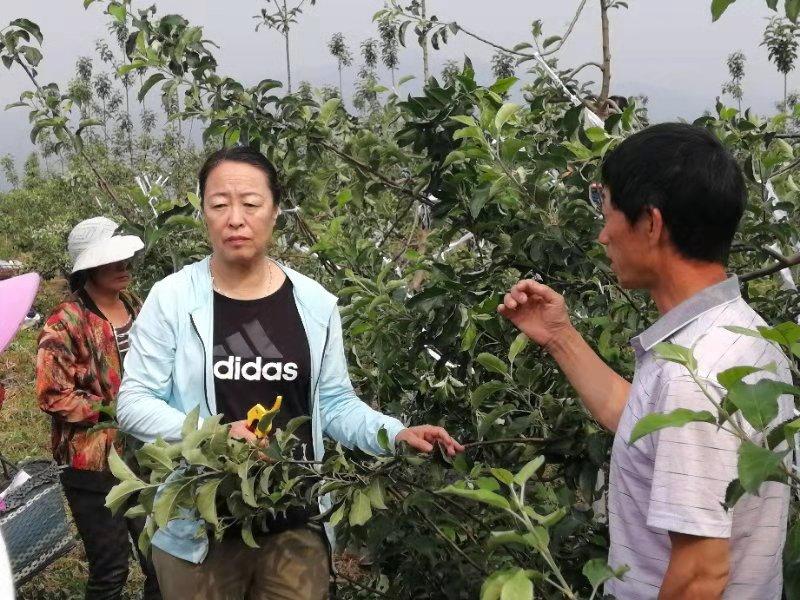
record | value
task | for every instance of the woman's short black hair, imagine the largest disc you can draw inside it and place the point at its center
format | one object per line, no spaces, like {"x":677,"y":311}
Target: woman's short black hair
{"x":241,"y":154}
{"x":686,"y":173}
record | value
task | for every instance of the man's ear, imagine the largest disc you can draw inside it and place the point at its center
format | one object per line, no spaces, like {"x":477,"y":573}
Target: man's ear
{"x":656,"y":225}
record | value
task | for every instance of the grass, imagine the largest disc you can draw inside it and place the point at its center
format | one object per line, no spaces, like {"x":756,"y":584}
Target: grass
{"x":25,"y":433}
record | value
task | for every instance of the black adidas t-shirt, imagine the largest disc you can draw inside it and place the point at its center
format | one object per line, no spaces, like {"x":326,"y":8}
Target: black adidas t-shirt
{"x":261,"y":352}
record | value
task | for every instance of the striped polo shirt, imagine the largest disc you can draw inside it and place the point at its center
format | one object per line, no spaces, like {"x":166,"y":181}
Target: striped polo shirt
{"x":676,"y":479}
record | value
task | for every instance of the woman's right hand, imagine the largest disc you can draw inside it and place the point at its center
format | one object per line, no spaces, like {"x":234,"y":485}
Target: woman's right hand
{"x":537,"y":311}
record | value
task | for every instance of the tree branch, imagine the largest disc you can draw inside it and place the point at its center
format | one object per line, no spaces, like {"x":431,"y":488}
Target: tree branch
{"x":518,"y":440}
{"x":577,"y":70}
{"x":567,"y":33}
{"x":780,"y":266}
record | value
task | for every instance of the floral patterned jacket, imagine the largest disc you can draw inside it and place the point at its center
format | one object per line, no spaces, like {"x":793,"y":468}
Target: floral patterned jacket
{"x":78,"y":368}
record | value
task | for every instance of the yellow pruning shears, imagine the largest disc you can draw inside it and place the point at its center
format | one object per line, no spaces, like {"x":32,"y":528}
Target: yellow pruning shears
{"x":260,"y":419}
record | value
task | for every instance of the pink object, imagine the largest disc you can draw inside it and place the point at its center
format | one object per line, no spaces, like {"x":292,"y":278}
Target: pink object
{"x":16,"y":298}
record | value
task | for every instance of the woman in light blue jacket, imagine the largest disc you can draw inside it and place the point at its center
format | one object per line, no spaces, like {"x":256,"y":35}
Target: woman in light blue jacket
{"x":224,"y":334}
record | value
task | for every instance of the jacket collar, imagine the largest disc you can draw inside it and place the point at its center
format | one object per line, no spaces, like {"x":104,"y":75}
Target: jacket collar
{"x":686,"y":312}
{"x":311,"y":296}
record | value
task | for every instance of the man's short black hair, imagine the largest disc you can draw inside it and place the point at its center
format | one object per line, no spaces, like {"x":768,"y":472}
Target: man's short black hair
{"x":241,"y":154}
{"x":687,"y":174}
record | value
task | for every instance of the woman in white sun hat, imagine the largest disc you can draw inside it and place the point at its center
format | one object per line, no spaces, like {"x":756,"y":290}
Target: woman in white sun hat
{"x":16,"y":297}
{"x":79,"y":368}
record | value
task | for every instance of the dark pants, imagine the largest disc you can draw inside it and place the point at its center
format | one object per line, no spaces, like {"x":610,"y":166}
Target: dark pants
{"x":105,"y":536}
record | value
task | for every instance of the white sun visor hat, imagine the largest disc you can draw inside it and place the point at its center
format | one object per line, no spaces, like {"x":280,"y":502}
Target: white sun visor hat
{"x":92,"y":243}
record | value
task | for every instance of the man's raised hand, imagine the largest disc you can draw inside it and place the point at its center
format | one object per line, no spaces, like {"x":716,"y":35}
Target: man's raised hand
{"x":536,"y":310}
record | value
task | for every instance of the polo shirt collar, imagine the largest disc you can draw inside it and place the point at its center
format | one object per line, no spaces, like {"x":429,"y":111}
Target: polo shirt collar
{"x":686,"y":312}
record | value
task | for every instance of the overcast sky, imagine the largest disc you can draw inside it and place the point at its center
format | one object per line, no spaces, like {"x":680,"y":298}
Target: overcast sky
{"x":667,"y":50}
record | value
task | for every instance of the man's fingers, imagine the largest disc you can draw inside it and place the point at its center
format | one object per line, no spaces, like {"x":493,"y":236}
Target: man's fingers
{"x":531,"y":287}
{"x":509,"y":301}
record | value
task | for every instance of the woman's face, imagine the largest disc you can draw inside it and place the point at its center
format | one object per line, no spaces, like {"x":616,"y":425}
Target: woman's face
{"x":240,"y":212}
{"x":114,"y":277}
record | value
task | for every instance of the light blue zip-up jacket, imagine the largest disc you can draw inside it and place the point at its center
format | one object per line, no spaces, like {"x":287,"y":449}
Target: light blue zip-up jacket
{"x":168,"y":372}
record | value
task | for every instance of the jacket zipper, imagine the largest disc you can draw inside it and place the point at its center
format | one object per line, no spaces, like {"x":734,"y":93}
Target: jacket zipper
{"x":205,"y":375}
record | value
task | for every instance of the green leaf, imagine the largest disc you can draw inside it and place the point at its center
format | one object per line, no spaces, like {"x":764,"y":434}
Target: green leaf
{"x":596,"y":134}
{"x":598,"y":572}
{"x":338,"y":515}
{"x":517,"y":346}
{"x":361,"y":509}
{"x":328,"y":109}
{"x":120,"y":493}
{"x":376,"y":495}
{"x":247,"y":533}
{"x":118,"y":467}
{"x":190,"y":422}
{"x":483,"y":391}
{"x":136,"y":512}
{"x":206,"y":500}
{"x":677,"y":354}
{"x":147,"y":85}
{"x":528,"y":470}
{"x":792,"y":9}
{"x":30,"y":27}
{"x":580,"y":151}
{"x":118,"y":11}
{"x":491,"y":363}
{"x":166,"y":503}
{"x":32,"y":55}
{"x":405,"y":79}
{"x":506,"y":111}
{"x":759,"y":402}
{"x":501,"y":86}
{"x":677,"y":418}
{"x":756,"y":465}
{"x":518,"y":587}
{"x":383,"y":440}
{"x":718,"y":7}
{"x":730,"y":377}
{"x":156,"y":454}
{"x":493,"y":586}
{"x":502,"y":475}
{"x":479,"y":495}
{"x":475,"y":133}
{"x":456,"y":156}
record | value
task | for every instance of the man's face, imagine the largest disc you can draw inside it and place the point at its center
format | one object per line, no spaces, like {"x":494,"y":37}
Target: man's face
{"x":240,"y":212}
{"x":630,"y":248}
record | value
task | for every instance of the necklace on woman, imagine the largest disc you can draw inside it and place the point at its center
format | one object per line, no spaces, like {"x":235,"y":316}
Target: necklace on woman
{"x":219,"y":291}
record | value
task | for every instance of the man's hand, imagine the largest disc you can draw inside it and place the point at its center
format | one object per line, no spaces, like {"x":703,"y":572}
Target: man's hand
{"x":536,"y":310}
{"x":423,"y":437}
{"x":239,"y":431}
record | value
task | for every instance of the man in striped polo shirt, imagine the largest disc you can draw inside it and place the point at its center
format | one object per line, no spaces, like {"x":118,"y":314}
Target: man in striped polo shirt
{"x":672,"y":198}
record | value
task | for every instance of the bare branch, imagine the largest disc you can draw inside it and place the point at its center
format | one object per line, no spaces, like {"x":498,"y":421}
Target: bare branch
{"x":567,"y":33}
{"x":577,"y":70}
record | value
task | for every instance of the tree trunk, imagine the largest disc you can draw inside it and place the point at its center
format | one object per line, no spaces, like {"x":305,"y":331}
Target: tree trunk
{"x":393,"y":83}
{"x":606,"y":86}
{"x":288,"y":64}
{"x":785,"y":90}
{"x":341,"y":91}
{"x":286,"y":39}
{"x":425,"y":71}
{"x":130,"y":123}
{"x":105,"y":124}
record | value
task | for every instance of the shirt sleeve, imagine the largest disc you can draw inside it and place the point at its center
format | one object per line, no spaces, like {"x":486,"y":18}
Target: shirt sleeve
{"x":693,"y":466}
